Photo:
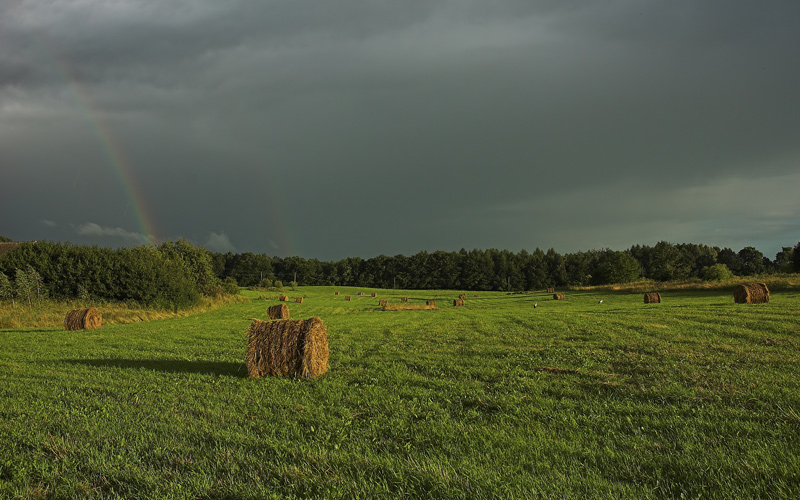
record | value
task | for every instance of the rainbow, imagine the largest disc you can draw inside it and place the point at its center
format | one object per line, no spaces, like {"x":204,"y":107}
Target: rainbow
{"x":120,"y":166}
{"x":123,"y":170}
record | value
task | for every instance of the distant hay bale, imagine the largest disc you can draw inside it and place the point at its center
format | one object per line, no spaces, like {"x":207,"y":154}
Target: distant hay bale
{"x":558,"y":296}
{"x":374,"y":294}
{"x":287,"y":347}
{"x":383,"y":302}
{"x":462,"y":296}
{"x":280,"y":311}
{"x":336,"y":293}
{"x":403,"y":299}
{"x":283,"y":298}
{"x":458,"y":302}
{"x":407,"y":307}
{"x":551,"y":290}
{"x":299,"y":300}
{"x":347,"y":298}
{"x":652,"y":298}
{"x":83,"y":319}
{"x":360,"y":294}
{"x":751,"y":293}
{"x":430,"y":303}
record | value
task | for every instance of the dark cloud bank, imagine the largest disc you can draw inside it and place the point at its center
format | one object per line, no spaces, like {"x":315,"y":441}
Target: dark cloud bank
{"x":346,"y":128}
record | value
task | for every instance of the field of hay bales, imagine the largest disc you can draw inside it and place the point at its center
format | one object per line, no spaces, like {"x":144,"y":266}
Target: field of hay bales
{"x":696,"y":396}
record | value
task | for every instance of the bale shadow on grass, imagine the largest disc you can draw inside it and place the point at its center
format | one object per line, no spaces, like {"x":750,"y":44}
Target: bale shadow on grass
{"x":215,"y":368}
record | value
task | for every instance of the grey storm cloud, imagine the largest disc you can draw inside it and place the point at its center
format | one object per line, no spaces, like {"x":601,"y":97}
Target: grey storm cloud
{"x":353,"y":128}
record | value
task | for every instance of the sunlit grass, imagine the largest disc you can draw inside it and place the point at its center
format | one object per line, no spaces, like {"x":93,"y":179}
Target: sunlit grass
{"x":696,"y":396}
{"x":50,"y":313}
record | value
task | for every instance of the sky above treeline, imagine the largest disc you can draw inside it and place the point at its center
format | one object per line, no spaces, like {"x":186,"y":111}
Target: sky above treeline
{"x":350,"y":128}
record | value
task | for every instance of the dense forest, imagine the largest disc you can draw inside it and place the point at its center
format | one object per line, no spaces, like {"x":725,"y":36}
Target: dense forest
{"x":503,"y":270}
{"x":176,"y":274}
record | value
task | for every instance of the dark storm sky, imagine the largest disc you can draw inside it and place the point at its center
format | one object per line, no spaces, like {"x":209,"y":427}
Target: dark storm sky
{"x":355,"y":128}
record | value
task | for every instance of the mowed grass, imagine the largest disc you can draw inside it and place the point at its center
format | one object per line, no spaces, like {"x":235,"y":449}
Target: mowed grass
{"x":693,"y":397}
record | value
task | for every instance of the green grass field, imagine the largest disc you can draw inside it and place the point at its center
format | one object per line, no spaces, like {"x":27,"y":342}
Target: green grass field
{"x":695,"y":397}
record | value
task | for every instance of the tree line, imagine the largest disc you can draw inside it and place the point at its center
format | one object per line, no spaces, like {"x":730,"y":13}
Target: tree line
{"x":494,"y":269}
{"x":175,"y":274}
{"x":172,"y":275}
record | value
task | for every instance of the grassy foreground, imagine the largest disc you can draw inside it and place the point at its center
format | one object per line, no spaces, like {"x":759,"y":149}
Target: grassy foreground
{"x":693,"y":397}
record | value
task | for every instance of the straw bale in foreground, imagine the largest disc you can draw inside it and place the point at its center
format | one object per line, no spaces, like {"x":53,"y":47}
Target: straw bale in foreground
{"x":280,"y":311}
{"x":287,"y":347}
{"x":83,"y":319}
{"x":751,"y":293}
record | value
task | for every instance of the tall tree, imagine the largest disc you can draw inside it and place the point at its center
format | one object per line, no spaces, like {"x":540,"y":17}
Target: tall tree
{"x":6,"y":289}
{"x":752,"y":261}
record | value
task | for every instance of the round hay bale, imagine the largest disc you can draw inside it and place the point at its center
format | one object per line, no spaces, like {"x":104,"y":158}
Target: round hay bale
{"x":403,"y":299}
{"x":336,"y":293}
{"x":462,"y":296}
{"x":287,"y":347}
{"x":280,"y":311}
{"x":458,"y":302}
{"x":652,"y":298}
{"x":283,"y":298}
{"x":83,"y":319}
{"x":751,"y":293}
{"x":551,"y":290}
{"x":374,"y":294}
{"x":299,"y":300}
{"x":383,"y":303}
{"x":558,"y":296}
{"x":347,"y":298}
{"x":360,"y":294}
{"x":430,"y":303}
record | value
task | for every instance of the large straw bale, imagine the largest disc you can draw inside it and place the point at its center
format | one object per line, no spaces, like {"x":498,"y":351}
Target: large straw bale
{"x":83,"y":319}
{"x":430,"y":303}
{"x":463,"y":296}
{"x":383,"y":302}
{"x":374,"y":294}
{"x":360,"y":294}
{"x":652,"y":298}
{"x":751,"y":293}
{"x":280,"y":311}
{"x":559,"y":296}
{"x":283,"y":298}
{"x":299,"y":300}
{"x":287,"y":347}
{"x":458,"y":302}
{"x":403,"y":299}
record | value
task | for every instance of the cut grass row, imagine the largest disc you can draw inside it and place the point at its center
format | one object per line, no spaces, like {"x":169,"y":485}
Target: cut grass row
{"x":696,"y":396}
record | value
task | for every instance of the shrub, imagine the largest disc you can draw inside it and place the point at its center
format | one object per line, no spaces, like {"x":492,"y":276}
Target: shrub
{"x":230,"y":286}
{"x":717,"y":272}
